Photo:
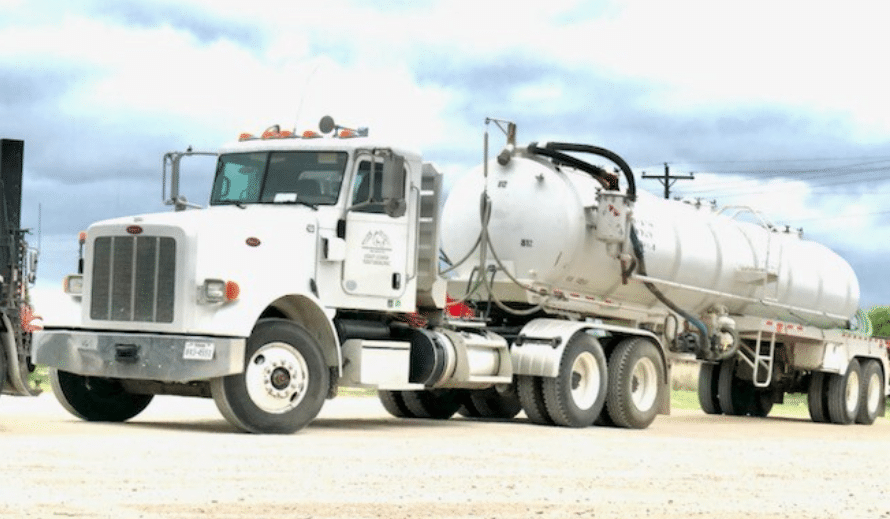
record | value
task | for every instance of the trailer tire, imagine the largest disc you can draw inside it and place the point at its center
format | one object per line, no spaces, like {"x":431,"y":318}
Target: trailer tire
{"x":96,"y":399}
{"x":762,"y":403}
{"x":736,"y":395}
{"x":843,"y":394}
{"x":531,"y":396}
{"x":816,"y":397}
{"x":394,"y":403}
{"x":284,"y":383}
{"x":496,"y":402}
{"x":871,"y":394}
{"x":635,"y":383}
{"x":576,"y":396}
{"x":437,"y":404}
{"x":708,"y":379}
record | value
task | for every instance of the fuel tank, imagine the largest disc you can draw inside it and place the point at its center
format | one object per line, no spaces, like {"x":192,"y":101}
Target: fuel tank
{"x":541,"y":226}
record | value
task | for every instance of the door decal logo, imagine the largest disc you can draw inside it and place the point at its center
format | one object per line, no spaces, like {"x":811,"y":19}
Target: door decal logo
{"x":377,"y":249}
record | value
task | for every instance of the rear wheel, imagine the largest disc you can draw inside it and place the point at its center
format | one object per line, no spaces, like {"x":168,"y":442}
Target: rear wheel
{"x":635,"y":383}
{"x":394,"y":403}
{"x":96,"y":399}
{"x":708,"y":378}
{"x":438,"y":404}
{"x":816,"y":397}
{"x":843,"y":394}
{"x":283,"y":385}
{"x":576,"y":396}
{"x":871,"y":393}
{"x":736,"y":395}
{"x":499,"y":402}
{"x":531,"y":396}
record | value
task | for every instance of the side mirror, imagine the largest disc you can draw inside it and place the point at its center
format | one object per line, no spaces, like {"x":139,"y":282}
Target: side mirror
{"x":393,"y":188}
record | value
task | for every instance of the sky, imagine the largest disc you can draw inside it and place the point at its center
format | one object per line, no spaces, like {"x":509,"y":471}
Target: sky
{"x":781,"y":106}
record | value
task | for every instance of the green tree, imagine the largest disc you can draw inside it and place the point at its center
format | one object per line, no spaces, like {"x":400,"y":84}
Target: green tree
{"x":880,"y":321}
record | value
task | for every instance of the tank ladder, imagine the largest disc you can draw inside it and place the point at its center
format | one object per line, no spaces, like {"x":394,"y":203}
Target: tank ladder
{"x":759,"y":361}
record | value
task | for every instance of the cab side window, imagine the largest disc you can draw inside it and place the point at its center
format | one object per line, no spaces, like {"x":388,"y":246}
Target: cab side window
{"x":367,"y":189}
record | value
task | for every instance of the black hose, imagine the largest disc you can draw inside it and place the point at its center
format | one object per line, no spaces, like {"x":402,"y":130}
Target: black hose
{"x":641,"y":267}
{"x":605,"y":178}
{"x":602,"y":152}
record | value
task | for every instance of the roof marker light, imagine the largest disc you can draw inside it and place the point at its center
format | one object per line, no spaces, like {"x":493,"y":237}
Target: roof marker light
{"x":246,"y":137}
{"x":309,"y":134}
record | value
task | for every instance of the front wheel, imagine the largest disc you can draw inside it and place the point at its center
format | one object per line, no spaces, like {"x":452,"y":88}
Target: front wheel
{"x":96,"y":399}
{"x":283,"y":385}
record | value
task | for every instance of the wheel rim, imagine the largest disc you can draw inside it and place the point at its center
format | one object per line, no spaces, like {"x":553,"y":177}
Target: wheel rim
{"x":644,"y":384}
{"x":276,"y":378}
{"x":852,"y":392}
{"x":585,"y":380}
{"x":873,"y":394}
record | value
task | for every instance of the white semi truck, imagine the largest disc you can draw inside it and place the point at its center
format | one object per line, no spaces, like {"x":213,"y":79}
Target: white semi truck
{"x":318,"y":265}
{"x":18,"y":266}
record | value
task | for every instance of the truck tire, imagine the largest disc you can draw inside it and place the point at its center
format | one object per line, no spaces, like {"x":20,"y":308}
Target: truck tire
{"x":437,"y":404}
{"x":96,"y":399}
{"x":576,"y":396}
{"x":531,"y":396}
{"x":871,"y":395}
{"x":394,"y":403}
{"x":816,"y":397}
{"x":636,"y":379}
{"x":283,"y":385}
{"x":708,"y":378}
{"x":843,"y":394}
{"x":497,"y":402}
{"x":736,"y":395}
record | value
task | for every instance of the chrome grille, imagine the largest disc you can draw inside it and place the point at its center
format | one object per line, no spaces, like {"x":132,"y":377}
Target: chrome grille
{"x":133,"y":279}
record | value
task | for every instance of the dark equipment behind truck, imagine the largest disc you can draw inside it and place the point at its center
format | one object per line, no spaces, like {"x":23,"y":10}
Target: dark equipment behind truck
{"x":18,"y":264}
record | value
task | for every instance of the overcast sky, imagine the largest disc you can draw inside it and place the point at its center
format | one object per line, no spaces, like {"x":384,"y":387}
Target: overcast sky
{"x":781,"y":105}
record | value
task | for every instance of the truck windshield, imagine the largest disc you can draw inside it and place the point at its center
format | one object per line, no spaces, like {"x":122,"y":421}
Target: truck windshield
{"x":308,"y":177}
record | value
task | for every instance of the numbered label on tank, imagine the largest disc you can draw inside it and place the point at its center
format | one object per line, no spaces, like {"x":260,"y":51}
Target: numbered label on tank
{"x":198,"y":350}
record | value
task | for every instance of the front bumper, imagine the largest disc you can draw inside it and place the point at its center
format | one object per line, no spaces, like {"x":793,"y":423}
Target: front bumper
{"x":164,"y":358}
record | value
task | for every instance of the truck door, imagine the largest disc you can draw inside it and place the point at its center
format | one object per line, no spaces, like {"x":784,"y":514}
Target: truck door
{"x":376,"y":242}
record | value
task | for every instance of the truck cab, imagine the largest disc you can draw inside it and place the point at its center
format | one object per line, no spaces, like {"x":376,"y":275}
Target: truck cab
{"x":306,"y":238}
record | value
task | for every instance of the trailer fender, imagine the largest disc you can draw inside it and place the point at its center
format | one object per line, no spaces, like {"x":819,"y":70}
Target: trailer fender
{"x":539,"y":346}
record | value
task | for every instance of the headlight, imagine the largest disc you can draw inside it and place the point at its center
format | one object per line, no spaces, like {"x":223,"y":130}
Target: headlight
{"x":73,"y":284}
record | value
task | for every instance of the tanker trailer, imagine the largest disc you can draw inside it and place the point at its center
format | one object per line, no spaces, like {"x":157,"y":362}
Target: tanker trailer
{"x":541,"y":231}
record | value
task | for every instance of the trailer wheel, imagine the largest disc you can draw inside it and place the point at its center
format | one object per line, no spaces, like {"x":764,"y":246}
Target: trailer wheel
{"x":284,"y":383}
{"x":843,"y":394}
{"x":736,"y":395}
{"x":635,"y":383}
{"x":871,"y":393}
{"x":394,"y":403}
{"x":576,"y":396}
{"x":96,"y":399}
{"x":816,"y":400}
{"x":708,"y":379}
{"x":438,"y":404}
{"x":498,"y":402}
{"x":762,"y":403}
{"x":531,"y":396}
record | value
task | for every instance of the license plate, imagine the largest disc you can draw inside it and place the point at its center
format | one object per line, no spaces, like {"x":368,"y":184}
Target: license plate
{"x":198,"y":351}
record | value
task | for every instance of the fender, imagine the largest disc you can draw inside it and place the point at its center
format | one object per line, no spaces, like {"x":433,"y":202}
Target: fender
{"x":539,"y":347}
{"x":308,"y":311}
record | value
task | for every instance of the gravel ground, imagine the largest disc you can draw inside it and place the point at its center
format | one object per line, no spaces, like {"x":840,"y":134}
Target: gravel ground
{"x":181,"y":459}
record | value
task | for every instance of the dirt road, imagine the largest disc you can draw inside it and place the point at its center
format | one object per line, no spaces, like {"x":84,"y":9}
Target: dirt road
{"x":181,"y":459}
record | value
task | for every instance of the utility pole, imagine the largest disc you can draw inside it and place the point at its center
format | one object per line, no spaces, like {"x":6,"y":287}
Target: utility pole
{"x":667,"y":180}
